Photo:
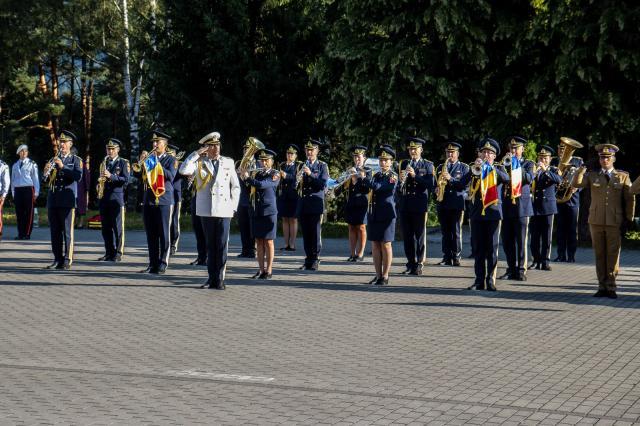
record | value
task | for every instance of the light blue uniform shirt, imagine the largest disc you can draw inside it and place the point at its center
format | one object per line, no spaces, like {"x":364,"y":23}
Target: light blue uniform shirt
{"x":25,"y":173}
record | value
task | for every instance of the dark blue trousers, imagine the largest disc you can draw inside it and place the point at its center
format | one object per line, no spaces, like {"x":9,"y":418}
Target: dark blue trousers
{"x":156,"y":222}
{"x":567,"y":231}
{"x":112,"y":216}
{"x":451,"y":228}
{"x":175,"y":225}
{"x":61,"y":226}
{"x":486,"y":240}
{"x":414,"y":237}
{"x":198,"y":230}
{"x":216,"y":231}
{"x":541,"y":227}
{"x":246,"y":236}
{"x":23,"y":199}
{"x":311,"y":237}
{"x":514,"y":243}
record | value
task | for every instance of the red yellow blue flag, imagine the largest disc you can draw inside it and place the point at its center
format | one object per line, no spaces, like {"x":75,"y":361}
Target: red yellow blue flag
{"x":155,"y":175}
{"x":488,"y":186}
{"x":516,"y":178}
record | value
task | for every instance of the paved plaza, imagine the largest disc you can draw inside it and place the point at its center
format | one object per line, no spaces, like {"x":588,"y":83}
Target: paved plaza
{"x":103,"y":344}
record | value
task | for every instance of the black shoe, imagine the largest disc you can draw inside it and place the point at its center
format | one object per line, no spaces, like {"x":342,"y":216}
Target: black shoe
{"x":18,"y":238}
{"x":117,"y":258}
{"x":102,"y":258}
{"x":413,"y":271}
{"x":146,"y":270}
{"x":195,"y":262}
{"x":315,"y":265}
{"x":28,"y":237}
{"x":546,"y":267}
{"x":560,"y":259}
{"x":64,"y":266}
{"x":419,"y":270}
{"x":601,"y":293}
{"x":161,"y":270}
{"x":456,"y":262}
{"x":476,"y":286}
{"x":257,"y":275}
{"x":219,"y":286}
{"x":373,"y":281}
{"x":520,"y":277}
{"x":358,"y":259}
{"x":206,"y":284}
{"x":382,"y":281}
{"x":54,"y":265}
{"x":571,"y":260}
{"x":444,"y":262}
{"x":351,"y":259}
{"x":611,"y":294}
{"x":533,"y":265}
{"x":173,"y":251}
{"x":491,"y":287}
{"x":265,"y":276}
{"x":507,"y":276}
{"x":290,"y":249}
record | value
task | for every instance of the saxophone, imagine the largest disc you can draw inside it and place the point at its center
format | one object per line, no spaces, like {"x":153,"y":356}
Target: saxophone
{"x":102,"y":179}
{"x":442,"y":182}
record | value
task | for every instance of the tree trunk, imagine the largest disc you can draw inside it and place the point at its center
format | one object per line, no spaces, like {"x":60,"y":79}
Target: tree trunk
{"x":55,"y":96}
{"x":72,"y":90}
{"x":44,"y":89}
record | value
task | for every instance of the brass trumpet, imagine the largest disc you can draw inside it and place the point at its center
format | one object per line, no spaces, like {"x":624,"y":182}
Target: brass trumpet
{"x":137,"y":167}
{"x":476,"y":168}
{"x":506,"y":160}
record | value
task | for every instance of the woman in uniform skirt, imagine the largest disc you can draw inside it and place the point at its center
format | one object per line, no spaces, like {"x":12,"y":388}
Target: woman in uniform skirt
{"x":381,"y":217}
{"x":288,"y":198}
{"x":355,"y":211}
{"x":264,"y":211}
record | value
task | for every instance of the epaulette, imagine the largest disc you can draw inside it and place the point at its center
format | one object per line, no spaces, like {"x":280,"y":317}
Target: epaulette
{"x":222,"y":157}
{"x":321,"y":162}
{"x":427,"y":161}
{"x":622,"y":172}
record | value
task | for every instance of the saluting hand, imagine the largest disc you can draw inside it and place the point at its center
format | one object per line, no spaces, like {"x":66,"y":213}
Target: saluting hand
{"x":202,"y":150}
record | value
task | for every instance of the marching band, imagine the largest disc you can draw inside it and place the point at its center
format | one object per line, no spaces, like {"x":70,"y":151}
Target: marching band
{"x":514,"y":198}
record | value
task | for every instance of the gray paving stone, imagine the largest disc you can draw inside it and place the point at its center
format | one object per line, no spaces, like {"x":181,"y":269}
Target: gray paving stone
{"x":102,"y":344}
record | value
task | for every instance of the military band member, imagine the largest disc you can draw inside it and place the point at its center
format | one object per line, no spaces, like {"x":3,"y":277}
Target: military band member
{"x":112,"y":205}
{"x":62,"y":174}
{"x":264,"y":211}
{"x":486,"y":212}
{"x":196,"y":222}
{"x":5,"y":185}
{"x":288,"y":197}
{"x":216,"y":201}
{"x":178,"y":180}
{"x":612,"y":203}
{"x":244,"y":217}
{"x":543,"y":188}
{"x":355,"y":211}
{"x":313,"y":180}
{"x":451,"y":204}
{"x":381,"y":214}
{"x":158,"y":202}
{"x":417,"y":182}
{"x":567,"y":217}
{"x":25,"y":188}
{"x":516,"y":212}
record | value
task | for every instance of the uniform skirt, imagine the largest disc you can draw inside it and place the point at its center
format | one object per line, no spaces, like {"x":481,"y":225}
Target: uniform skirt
{"x":264,"y":227}
{"x":287,"y":207}
{"x":384,"y":230}
{"x":355,"y":215}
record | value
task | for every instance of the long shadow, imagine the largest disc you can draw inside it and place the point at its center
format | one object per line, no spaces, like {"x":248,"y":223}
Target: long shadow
{"x":466,"y":305}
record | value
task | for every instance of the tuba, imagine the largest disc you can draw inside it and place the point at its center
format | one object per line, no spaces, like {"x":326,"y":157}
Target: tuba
{"x":248,"y":161}
{"x":565,"y":191}
{"x":102,"y":180}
